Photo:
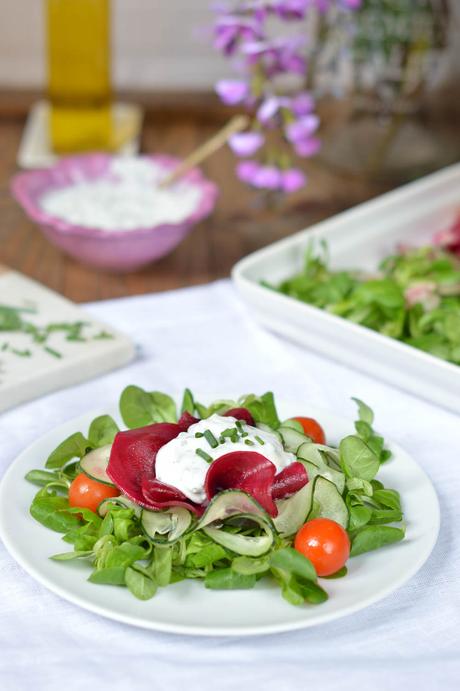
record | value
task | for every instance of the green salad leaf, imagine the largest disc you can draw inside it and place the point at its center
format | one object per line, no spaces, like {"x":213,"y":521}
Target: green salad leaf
{"x":102,"y":431}
{"x":75,"y":446}
{"x":357,"y":458}
{"x":139,"y":408}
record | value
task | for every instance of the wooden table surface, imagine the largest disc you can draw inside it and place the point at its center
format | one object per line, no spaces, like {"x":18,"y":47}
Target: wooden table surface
{"x":238,"y":226}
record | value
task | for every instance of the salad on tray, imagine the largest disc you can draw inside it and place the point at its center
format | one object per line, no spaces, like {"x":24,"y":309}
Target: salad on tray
{"x":414,"y":296}
{"x":226,"y":494}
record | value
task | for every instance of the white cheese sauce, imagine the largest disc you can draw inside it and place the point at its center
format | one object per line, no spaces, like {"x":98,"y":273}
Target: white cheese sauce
{"x":125,"y":198}
{"x":178,"y":464}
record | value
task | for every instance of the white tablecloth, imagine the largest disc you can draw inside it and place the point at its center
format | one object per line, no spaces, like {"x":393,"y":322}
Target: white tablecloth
{"x":204,"y":338}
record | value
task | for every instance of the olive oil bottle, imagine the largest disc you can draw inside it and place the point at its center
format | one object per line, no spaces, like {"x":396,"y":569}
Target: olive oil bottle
{"x":79,"y":87}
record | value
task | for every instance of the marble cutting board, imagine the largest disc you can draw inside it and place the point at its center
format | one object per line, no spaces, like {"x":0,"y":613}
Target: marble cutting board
{"x":28,"y":368}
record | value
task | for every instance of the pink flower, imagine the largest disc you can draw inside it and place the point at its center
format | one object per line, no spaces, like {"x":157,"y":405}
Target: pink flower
{"x":258,"y":175}
{"x":230,"y":29}
{"x":307,"y":147}
{"x":290,"y":9}
{"x":269,"y":108}
{"x":246,"y":170}
{"x":302,"y":104}
{"x":246,"y":143}
{"x":232,"y":91}
{"x":292,"y":180}
{"x":302,"y":128}
{"x":267,"y":177}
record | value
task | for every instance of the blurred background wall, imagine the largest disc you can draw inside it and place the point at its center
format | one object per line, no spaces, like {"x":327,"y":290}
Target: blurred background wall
{"x":158,"y":44}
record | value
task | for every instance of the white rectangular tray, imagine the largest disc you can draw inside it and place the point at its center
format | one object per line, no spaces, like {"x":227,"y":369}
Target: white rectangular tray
{"x":24,"y":378}
{"x":360,"y":238}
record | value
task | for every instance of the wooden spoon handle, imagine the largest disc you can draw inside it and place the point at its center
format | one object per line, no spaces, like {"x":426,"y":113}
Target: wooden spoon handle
{"x":236,"y":124}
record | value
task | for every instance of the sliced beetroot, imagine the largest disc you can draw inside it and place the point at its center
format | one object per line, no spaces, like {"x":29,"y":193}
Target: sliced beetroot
{"x":248,"y":471}
{"x":186,"y":420}
{"x":289,"y":481}
{"x":240,"y":414}
{"x":158,"y":495}
{"x":133,"y":456}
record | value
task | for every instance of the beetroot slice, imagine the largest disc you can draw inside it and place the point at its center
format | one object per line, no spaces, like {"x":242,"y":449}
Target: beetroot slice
{"x":248,"y":471}
{"x":158,"y":495}
{"x":186,"y":420}
{"x":240,"y":414}
{"x":289,"y":481}
{"x":133,"y":456}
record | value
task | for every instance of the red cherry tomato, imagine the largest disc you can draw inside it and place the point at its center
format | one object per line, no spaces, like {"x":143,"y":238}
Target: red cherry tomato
{"x":312,"y":429}
{"x":88,"y":494}
{"x":325,"y":543}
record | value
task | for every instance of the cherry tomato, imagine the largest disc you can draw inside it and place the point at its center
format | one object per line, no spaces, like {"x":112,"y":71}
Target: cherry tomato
{"x":88,"y":494}
{"x":325,"y":543}
{"x":312,"y":429}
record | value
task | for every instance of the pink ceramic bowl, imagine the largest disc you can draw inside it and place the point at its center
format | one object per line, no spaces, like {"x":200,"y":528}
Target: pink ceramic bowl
{"x":116,"y":251}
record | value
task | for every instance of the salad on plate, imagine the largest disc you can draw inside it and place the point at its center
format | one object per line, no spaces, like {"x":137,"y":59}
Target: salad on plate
{"x":227,"y":494}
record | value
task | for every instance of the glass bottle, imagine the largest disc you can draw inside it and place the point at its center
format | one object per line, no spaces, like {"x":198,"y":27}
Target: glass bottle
{"x":79,"y":87}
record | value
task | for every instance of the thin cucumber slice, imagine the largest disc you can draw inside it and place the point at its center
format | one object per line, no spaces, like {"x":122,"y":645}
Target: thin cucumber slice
{"x":292,"y":512}
{"x":231,"y":502}
{"x":334,"y":476}
{"x":95,"y":463}
{"x":308,"y":451}
{"x":245,"y":545}
{"x":293,"y":424}
{"x":165,"y":527}
{"x":327,"y":502}
{"x":122,"y":501}
{"x":292,"y":439}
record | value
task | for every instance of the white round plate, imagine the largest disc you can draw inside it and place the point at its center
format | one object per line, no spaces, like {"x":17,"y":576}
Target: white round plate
{"x":187,"y":607}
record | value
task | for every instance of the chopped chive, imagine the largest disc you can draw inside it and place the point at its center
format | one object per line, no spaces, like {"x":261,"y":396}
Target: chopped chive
{"x":52,"y":352}
{"x":210,"y":438}
{"x":203,"y":454}
{"x":249,"y":442}
{"x":102,"y":335}
{"x":261,"y":441}
{"x":244,"y":434}
{"x":239,"y":426}
{"x":21,"y":353}
{"x":198,"y":435}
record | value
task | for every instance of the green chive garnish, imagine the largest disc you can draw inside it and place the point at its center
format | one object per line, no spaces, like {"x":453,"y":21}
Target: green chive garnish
{"x":198,"y":435}
{"x":261,"y":441}
{"x":249,"y":442}
{"x":203,"y":454}
{"x":244,"y":434}
{"x":52,"y":352}
{"x":239,"y":425}
{"x":210,"y":438}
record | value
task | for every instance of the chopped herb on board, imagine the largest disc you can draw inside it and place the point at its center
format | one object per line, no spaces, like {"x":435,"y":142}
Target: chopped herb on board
{"x":14,"y":320}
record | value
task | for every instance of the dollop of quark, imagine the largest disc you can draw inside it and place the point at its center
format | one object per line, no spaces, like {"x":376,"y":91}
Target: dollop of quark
{"x":178,"y":464}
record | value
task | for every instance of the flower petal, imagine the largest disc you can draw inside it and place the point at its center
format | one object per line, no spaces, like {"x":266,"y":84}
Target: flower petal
{"x":232,"y":91}
{"x":246,"y":143}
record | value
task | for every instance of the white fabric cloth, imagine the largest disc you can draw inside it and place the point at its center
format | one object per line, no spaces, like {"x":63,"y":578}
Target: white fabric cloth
{"x":204,"y":338}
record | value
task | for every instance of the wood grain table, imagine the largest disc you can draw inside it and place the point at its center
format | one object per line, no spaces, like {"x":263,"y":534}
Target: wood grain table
{"x":239,"y":225}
